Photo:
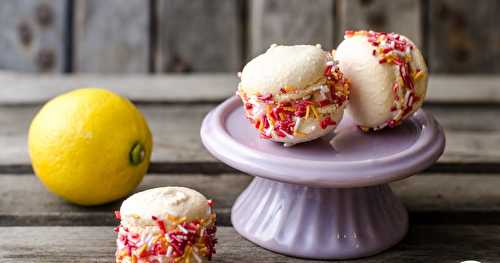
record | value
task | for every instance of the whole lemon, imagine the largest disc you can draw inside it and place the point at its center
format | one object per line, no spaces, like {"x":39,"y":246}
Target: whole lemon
{"x":90,"y":146}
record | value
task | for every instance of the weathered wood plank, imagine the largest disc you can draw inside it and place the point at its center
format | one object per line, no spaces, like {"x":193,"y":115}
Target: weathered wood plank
{"x":96,"y":244}
{"x":431,"y":199}
{"x":32,"y":35}
{"x":181,"y":122}
{"x":472,"y":133}
{"x":463,"y":89}
{"x":290,"y":22}
{"x":463,"y":36}
{"x":35,"y":89}
{"x":402,"y":17}
{"x":25,"y":201}
{"x":199,"y":35}
{"x":111,"y":37}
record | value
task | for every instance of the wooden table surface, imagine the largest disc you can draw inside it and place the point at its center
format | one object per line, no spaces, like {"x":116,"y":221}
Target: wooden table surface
{"x":454,"y":205}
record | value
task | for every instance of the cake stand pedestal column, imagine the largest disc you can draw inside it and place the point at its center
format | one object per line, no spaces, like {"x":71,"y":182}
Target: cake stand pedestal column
{"x":320,"y":223}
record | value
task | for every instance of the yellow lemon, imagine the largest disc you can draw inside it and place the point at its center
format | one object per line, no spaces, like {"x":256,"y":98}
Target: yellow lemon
{"x":90,"y":146}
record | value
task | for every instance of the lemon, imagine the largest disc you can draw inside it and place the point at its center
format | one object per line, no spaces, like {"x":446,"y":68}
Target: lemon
{"x":90,"y":146}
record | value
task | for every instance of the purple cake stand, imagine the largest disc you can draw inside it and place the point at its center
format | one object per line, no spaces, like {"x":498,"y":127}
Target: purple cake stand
{"x":325,"y":199}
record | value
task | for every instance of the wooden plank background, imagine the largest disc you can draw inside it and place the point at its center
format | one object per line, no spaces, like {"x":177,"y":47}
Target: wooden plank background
{"x":164,"y":36}
{"x":290,"y":22}
{"x":32,"y":35}
{"x":199,"y":36}
{"x":111,"y":37}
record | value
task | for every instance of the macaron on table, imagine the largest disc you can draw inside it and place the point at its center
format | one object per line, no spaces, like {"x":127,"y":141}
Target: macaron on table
{"x":166,"y":224}
{"x":328,"y":197}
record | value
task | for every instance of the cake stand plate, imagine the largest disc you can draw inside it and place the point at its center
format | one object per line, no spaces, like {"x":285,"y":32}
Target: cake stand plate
{"x":325,"y":199}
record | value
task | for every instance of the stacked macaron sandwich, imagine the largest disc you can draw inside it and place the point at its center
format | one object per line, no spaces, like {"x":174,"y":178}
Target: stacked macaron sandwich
{"x":167,"y":224}
{"x":295,"y":94}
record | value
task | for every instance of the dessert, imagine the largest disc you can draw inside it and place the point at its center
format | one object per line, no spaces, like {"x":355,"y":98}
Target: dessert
{"x":388,"y":77}
{"x":166,"y":224}
{"x":293,"y":94}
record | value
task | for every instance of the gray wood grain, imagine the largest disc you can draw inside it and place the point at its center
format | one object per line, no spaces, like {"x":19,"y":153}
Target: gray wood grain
{"x":402,"y":17}
{"x":472,"y":133}
{"x":96,"y":244}
{"x":433,"y":199}
{"x":32,"y":35}
{"x":290,"y":22}
{"x":25,"y":201}
{"x":463,"y":36}
{"x":171,"y":88}
{"x":463,"y":89}
{"x":111,"y":37}
{"x":199,"y":35}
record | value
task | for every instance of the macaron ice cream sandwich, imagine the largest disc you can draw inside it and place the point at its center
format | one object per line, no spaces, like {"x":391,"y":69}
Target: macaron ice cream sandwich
{"x":388,"y":77}
{"x":293,"y":94}
{"x":167,"y":224}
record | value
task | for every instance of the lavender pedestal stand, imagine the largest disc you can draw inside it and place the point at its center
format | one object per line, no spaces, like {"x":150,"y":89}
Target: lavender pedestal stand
{"x":325,"y":199}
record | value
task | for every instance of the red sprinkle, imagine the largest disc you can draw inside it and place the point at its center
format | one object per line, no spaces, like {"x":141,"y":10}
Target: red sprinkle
{"x":266,"y":98}
{"x":248,"y":106}
{"x":283,"y":90}
{"x":328,"y":70}
{"x":326,"y":122}
{"x":325,"y":103}
{"x":300,"y":113}
{"x":210,"y":202}
{"x":265,"y":136}
{"x":279,"y":132}
{"x":257,"y":124}
{"x":266,"y":122}
{"x":349,"y":33}
{"x":160,"y":224}
{"x":118,"y":215}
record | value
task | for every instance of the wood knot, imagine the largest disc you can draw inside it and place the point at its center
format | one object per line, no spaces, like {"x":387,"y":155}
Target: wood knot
{"x":25,"y":33}
{"x":44,"y":14}
{"x":45,"y":59}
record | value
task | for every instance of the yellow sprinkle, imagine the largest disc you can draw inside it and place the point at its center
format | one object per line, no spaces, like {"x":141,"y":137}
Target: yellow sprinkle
{"x":365,"y":129}
{"x":268,"y":108}
{"x":316,"y":114}
{"x":419,"y":75}
{"x":141,"y":249}
{"x":401,"y":82}
{"x":299,"y":134}
{"x":307,"y":112}
{"x":187,"y":254}
{"x":270,"y":119}
{"x":282,"y":116}
{"x":261,"y":126}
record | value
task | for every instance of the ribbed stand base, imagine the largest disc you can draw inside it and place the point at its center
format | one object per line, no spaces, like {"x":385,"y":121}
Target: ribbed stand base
{"x":320,"y":223}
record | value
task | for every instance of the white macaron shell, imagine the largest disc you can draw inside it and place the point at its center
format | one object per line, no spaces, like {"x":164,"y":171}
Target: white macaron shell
{"x":296,"y":66}
{"x":161,"y":202}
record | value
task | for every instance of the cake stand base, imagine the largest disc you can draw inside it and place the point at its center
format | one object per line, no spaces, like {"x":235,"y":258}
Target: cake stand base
{"x":320,"y":223}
